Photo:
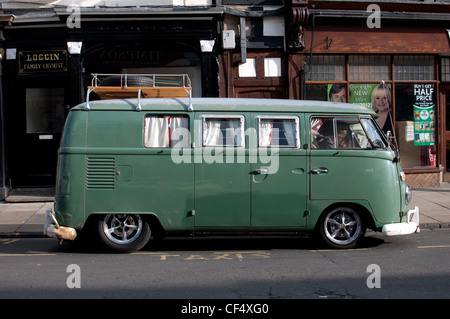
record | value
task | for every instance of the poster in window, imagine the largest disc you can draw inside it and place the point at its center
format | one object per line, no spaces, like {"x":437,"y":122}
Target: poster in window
{"x":424,"y":114}
{"x":361,"y":94}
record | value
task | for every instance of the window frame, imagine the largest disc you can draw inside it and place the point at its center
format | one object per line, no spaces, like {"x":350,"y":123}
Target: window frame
{"x":296,"y":119}
{"x":241,"y":119}
{"x":370,"y":144}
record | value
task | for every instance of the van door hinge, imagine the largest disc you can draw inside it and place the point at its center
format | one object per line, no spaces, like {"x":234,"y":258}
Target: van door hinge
{"x":307,"y":213}
{"x":191,"y":212}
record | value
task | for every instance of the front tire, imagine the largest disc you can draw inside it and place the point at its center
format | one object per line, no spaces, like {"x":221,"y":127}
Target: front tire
{"x":341,"y":228}
{"x":124,"y":233}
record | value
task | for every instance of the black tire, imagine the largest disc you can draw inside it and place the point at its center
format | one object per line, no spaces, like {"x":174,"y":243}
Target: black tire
{"x":123,"y":233}
{"x":117,"y":80}
{"x":341,"y":228}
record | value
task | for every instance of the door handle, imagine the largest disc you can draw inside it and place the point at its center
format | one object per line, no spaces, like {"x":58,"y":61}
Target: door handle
{"x":319,"y":171}
{"x":261,"y":171}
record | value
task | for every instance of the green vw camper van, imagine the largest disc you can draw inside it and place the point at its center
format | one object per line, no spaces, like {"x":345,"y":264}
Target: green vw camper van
{"x":132,"y":169}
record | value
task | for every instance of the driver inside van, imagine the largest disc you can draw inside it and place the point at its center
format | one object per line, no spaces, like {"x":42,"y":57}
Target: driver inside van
{"x":324,"y":137}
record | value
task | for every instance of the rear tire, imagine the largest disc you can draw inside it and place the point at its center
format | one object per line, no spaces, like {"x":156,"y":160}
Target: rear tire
{"x":123,"y":233}
{"x":341,"y":228}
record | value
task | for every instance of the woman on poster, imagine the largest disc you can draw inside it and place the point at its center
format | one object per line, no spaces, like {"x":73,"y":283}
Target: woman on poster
{"x":381,"y":101}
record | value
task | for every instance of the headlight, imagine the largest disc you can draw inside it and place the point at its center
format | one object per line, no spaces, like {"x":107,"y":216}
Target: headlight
{"x":408,"y":194}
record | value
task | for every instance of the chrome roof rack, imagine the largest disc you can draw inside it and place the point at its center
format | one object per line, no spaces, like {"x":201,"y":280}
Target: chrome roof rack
{"x":114,"y":86}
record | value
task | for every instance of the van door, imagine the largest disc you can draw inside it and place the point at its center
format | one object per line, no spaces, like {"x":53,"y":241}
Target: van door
{"x":278,"y":172}
{"x":222,"y":186}
{"x":351,"y":162}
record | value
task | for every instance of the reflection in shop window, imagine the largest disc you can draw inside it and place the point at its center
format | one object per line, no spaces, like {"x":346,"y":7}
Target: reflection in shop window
{"x":45,"y":110}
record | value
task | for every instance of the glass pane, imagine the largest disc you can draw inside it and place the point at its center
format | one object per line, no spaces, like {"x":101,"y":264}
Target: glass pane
{"x":223,"y":132}
{"x":278,"y":132}
{"x":342,"y":133}
{"x":272,"y":67}
{"x":45,"y":110}
{"x":445,"y":69}
{"x":166,"y":131}
{"x":327,"y":92}
{"x":373,"y":133}
{"x":248,"y":69}
{"x":411,"y":124}
{"x":414,"y":67}
{"x":369,"y":67}
{"x":326,"y":68}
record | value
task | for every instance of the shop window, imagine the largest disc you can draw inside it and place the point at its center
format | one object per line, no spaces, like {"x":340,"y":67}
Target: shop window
{"x":415,"y":124}
{"x":369,"y":67}
{"x":336,"y":92}
{"x":45,"y":110}
{"x":166,"y":131}
{"x":414,"y":68}
{"x":445,"y":69}
{"x":326,"y":68}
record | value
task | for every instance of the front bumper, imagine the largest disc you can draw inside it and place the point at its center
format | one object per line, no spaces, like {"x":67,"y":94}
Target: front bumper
{"x":410,"y":226}
{"x":52,"y":228}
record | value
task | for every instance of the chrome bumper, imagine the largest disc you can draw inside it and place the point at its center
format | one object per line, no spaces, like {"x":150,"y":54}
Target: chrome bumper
{"x":410,"y":226}
{"x":52,"y":228}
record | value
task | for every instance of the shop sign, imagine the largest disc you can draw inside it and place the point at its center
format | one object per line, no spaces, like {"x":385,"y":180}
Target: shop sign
{"x":42,"y":61}
{"x":424,"y":114}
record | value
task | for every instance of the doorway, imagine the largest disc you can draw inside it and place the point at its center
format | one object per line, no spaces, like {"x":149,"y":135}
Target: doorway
{"x":35,"y":113}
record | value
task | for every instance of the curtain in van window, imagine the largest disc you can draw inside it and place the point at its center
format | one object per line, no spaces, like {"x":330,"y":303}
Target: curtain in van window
{"x":180,"y":136}
{"x":166,"y":131}
{"x":290,"y":132}
{"x":156,"y":131}
{"x":234,"y":133}
{"x":265,"y":133}
{"x":211,"y":132}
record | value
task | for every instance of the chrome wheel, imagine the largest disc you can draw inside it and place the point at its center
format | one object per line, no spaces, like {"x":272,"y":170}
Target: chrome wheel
{"x":342,"y":228}
{"x":122,"y":228}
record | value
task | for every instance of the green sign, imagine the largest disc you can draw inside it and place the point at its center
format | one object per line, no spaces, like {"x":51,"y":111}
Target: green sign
{"x":424,"y":114}
{"x":361,"y":94}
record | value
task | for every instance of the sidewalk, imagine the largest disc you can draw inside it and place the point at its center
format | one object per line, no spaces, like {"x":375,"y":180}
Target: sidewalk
{"x":27,"y":219}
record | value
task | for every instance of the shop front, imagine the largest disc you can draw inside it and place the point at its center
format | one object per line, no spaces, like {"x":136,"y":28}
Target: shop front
{"x":48,"y":67}
{"x":395,"y":70}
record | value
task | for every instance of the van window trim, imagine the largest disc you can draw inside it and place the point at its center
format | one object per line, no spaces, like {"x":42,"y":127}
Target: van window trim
{"x":241,"y":118}
{"x":279,"y":117}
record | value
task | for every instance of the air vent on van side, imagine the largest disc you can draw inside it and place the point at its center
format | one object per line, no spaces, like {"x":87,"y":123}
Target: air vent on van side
{"x":100,"y":173}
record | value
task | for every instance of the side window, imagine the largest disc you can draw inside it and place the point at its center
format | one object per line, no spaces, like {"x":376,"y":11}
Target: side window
{"x":279,"y":131}
{"x":339,"y":133}
{"x":224,"y":130}
{"x":166,"y":131}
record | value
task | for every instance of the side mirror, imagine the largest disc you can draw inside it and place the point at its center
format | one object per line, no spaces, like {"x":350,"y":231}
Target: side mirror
{"x":390,"y":136}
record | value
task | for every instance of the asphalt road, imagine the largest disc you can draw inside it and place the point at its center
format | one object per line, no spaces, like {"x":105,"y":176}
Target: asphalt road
{"x":414,"y":266}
